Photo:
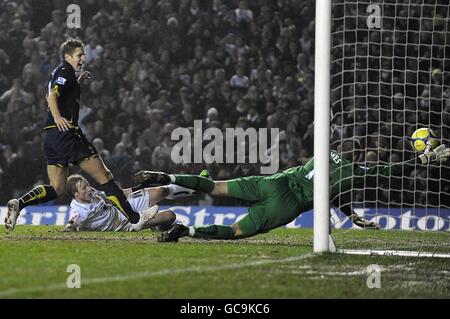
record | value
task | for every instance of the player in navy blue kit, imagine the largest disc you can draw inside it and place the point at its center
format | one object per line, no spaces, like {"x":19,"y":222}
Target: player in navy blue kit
{"x":65,"y":143}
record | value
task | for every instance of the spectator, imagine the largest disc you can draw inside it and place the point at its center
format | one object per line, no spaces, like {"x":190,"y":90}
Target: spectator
{"x":93,"y":50}
{"x":243,"y":13}
{"x":99,"y":145}
{"x":239,"y":80}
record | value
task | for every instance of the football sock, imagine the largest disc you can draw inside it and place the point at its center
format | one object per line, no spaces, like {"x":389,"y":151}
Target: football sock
{"x":213,"y":232}
{"x":139,"y":187}
{"x":198,"y":183}
{"x":39,"y":194}
{"x":115,"y":194}
{"x":145,"y":184}
{"x":176,"y":191}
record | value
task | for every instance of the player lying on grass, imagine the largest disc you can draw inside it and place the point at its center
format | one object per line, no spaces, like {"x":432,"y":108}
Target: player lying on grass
{"x":91,"y":210}
{"x":278,"y":199}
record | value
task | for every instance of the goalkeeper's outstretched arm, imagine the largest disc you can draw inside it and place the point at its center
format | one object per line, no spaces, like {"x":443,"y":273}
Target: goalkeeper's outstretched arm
{"x":438,"y":155}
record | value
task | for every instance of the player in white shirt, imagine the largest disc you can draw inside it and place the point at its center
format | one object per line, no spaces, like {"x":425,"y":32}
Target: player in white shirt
{"x":91,"y":210}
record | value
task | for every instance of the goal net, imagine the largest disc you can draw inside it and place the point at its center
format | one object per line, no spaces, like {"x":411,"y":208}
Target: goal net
{"x":390,"y":75}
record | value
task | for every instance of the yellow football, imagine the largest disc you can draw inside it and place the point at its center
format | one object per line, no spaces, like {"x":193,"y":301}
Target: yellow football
{"x":421,"y":137}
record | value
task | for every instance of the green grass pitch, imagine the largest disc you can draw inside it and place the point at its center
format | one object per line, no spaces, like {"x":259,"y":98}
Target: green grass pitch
{"x":279,"y":264}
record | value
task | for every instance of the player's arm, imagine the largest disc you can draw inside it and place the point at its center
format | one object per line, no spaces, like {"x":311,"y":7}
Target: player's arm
{"x":71,"y":226}
{"x":78,"y":216}
{"x":52,"y":99}
{"x":343,"y":202}
{"x":438,"y":155}
{"x":358,"y":220}
{"x":85,"y":75}
{"x":395,"y":169}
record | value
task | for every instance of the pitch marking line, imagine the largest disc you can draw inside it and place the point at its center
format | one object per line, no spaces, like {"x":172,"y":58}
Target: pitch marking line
{"x":146,"y":274}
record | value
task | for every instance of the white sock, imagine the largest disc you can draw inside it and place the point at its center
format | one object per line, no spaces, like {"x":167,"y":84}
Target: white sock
{"x":177,"y":191}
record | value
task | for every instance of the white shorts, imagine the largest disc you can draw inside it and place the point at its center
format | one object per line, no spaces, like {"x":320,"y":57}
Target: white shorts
{"x":139,"y":200}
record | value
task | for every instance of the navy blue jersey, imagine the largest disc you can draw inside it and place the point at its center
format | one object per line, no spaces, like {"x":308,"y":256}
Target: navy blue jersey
{"x":64,"y":82}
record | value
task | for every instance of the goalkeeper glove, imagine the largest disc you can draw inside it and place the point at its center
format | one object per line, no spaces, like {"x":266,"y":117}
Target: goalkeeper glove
{"x":363,"y":223}
{"x":440,"y":154}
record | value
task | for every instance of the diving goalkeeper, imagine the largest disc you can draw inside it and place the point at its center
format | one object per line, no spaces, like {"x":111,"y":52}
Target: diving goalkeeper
{"x":278,"y":199}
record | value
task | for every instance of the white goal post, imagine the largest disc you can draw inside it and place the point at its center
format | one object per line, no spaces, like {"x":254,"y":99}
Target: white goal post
{"x":382,"y":70}
{"x":322,"y":125}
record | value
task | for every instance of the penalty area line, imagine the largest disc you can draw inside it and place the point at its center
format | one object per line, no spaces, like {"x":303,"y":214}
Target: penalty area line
{"x":146,"y":274}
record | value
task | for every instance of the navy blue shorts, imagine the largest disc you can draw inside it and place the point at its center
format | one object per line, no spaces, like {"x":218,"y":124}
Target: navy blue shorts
{"x":64,"y":147}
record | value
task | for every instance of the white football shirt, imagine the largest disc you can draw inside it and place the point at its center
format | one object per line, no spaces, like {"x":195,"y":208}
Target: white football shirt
{"x":101,"y":215}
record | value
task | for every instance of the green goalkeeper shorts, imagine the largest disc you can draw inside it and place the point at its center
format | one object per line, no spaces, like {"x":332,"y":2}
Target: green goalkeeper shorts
{"x":272,"y":203}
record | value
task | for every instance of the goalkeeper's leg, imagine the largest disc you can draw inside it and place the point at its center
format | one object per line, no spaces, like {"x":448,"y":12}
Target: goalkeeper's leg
{"x":243,"y":229}
{"x":199,"y":183}
{"x":163,"y":220}
{"x":248,"y":226}
{"x":245,"y":188}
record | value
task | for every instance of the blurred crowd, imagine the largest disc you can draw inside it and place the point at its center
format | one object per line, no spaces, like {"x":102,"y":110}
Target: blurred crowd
{"x":160,"y":65}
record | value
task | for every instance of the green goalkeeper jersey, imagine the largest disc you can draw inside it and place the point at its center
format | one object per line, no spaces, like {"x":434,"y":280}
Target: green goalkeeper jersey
{"x":344,"y":175}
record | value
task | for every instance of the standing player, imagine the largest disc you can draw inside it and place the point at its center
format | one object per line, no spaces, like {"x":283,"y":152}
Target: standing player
{"x":278,"y":199}
{"x":65,"y":143}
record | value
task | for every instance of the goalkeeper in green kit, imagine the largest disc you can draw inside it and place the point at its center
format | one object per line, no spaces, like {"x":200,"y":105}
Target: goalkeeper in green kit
{"x":278,"y":199}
